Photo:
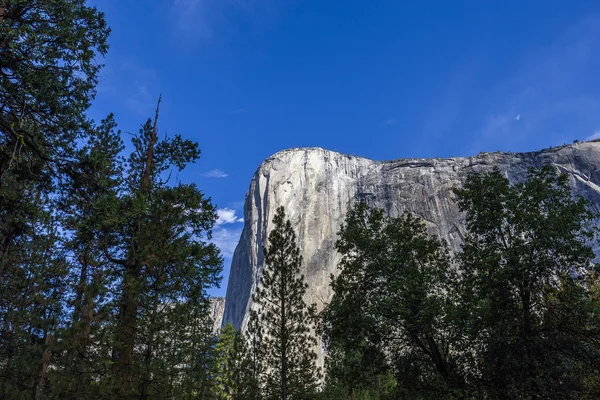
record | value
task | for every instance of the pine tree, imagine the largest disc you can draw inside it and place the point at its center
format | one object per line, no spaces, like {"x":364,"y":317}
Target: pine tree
{"x":233,"y":373}
{"x":255,"y":356}
{"x":155,"y":239}
{"x":32,"y":279}
{"x":104,"y":265}
{"x":48,"y":59}
{"x":286,"y":320}
{"x":83,"y":208}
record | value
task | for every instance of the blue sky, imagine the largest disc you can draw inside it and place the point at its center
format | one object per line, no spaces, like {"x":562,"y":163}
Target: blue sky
{"x":379,"y":79}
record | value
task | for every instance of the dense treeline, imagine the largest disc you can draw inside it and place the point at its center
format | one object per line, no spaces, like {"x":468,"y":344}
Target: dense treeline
{"x":515,"y":314}
{"x":105,"y":262}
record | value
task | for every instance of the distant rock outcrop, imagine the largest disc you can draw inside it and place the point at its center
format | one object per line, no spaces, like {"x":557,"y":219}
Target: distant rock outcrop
{"x":317,"y":187}
{"x":217,"y":308}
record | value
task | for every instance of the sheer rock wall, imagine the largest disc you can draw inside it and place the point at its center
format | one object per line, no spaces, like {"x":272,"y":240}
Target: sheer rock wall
{"x":318,"y":186}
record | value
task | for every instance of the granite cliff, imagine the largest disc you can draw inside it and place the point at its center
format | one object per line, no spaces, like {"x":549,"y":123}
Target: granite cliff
{"x":217,"y":308}
{"x":317,"y":187}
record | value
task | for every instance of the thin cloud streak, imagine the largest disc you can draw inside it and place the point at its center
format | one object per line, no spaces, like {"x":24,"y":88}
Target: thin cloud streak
{"x":226,"y":240}
{"x":215,"y":173}
{"x":204,"y":19}
{"x":595,"y":136}
{"x":142,"y":98}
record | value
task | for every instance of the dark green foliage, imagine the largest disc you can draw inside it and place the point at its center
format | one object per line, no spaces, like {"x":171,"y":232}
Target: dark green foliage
{"x":391,"y":311}
{"x":287,"y":347}
{"x":47,"y":75}
{"x":78,"y":363}
{"x":32,"y":285}
{"x":154,"y":236}
{"x":233,"y":377}
{"x":49,"y":68}
{"x":255,"y":356}
{"x":104,"y":262}
{"x":515,"y":315}
{"x":526,"y":264}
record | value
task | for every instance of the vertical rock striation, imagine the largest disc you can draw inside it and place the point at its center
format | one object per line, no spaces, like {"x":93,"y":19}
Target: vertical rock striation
{"x":318,"y":186}
{"x":217,"y":308}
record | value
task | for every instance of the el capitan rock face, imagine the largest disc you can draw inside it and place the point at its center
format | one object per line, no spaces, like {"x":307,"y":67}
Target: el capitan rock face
{"x":217,"y":308}
{"x":318,"y":186}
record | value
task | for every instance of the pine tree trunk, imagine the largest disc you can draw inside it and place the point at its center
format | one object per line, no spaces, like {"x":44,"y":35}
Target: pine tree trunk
{"x":127,"y":331}
{"x":131,"y":290}
{"x":150,"y":154}
{"x":9,"y":345}
{"x":49,"y":341}
{"x":78,"y":331}
{"x":150,"y":348}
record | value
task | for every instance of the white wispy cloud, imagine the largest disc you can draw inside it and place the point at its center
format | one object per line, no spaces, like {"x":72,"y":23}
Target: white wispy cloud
{"x":130,"y":84}
{"x":204,"y":19}
{"x":227,"y":231}
{"x":141,"y":84}
{"x":226,"y":240}
{"x":141,"y":100}
{"x":215,"y":173}
{"x":191,"y":18}
{"x":228,"y":216}
{"x":388,"y":121}
{"x":595,"y":136}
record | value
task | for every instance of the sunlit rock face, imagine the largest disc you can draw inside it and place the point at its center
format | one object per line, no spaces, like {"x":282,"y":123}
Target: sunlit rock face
{"x":318,"y":186}
{"x":217,"y":308}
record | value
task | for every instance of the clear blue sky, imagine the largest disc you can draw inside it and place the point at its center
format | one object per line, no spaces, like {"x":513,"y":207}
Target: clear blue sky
{"x":379,"y":79}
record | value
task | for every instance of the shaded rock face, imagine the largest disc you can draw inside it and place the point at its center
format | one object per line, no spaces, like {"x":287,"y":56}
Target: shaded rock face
{"x":217,"y":308}
{"x":317,"y":187}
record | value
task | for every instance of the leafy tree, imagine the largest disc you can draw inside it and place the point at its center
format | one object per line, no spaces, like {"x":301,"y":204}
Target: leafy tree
{"x":526,"y":291}
{"x":290,"y":371}
{"x":392,"y":309}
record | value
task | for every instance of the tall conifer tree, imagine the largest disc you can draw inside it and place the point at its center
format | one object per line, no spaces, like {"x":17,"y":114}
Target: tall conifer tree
{"x":156,"y":240}
{"x":255,"y":356}
{"x":48,"y":64}
{"x":233,"y":372}
{"x":286,"y":320}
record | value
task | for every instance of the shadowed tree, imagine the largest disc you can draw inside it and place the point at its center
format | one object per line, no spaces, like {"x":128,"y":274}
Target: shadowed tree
{"x":391,"y":313}
{"x":526,"y":265}
{"x":48,"y":71}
